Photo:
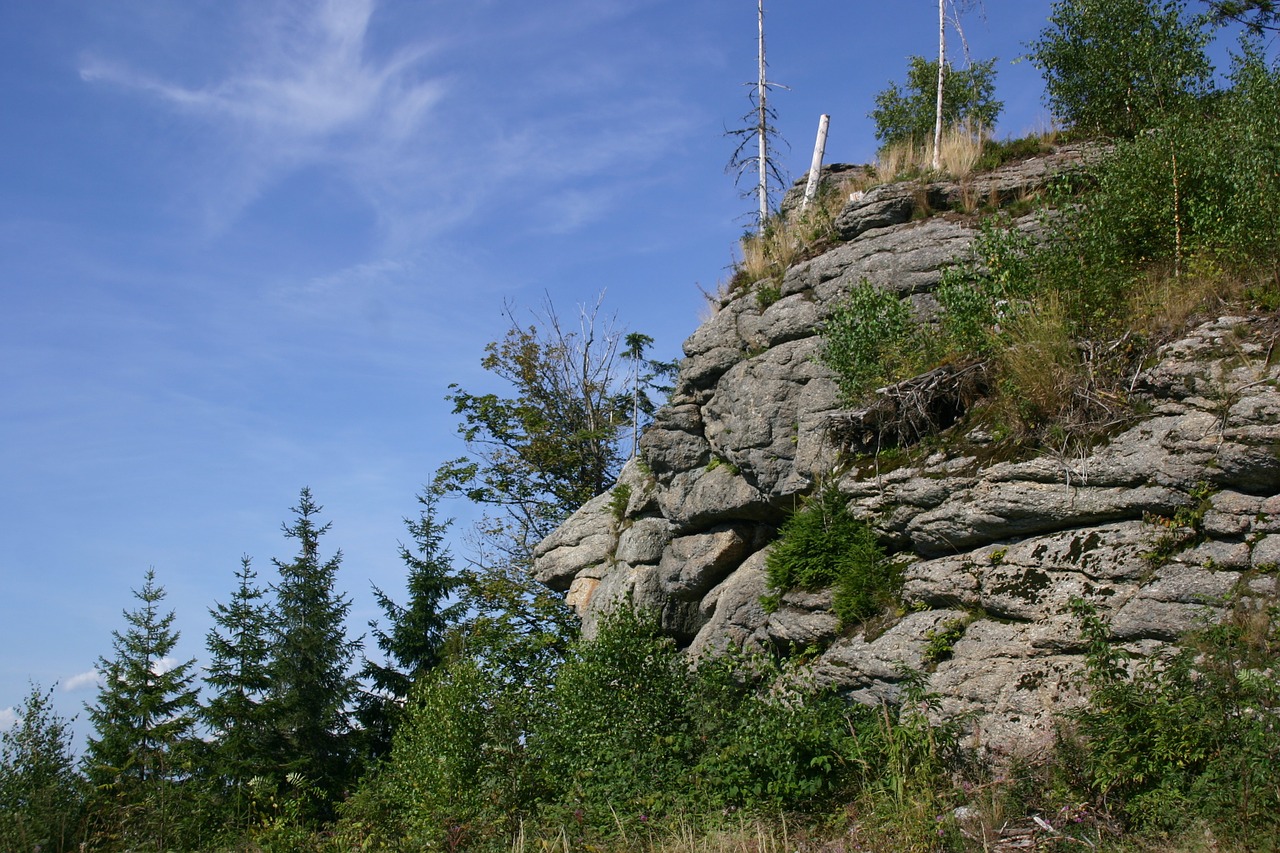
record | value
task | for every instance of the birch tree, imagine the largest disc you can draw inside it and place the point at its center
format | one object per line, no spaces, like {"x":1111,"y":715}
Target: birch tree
{"x":943,"y":69}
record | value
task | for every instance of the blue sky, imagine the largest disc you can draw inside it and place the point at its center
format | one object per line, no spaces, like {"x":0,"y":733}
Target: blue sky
{"x":245,"y":245}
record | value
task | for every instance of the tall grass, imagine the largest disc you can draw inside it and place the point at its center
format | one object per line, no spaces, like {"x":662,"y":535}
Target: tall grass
{"x":960,"y":152}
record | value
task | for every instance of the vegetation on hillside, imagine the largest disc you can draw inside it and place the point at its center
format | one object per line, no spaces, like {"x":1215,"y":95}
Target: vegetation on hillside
{"x":488,"y":723}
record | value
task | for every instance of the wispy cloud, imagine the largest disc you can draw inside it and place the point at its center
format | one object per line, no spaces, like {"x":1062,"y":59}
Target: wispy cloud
{"x":8,"y":718}
{"x":307,"y":93}
{"x":82,"y":681}
{"x":529,"y":107}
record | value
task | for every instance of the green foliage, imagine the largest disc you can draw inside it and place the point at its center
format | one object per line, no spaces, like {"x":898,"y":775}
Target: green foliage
{"x":1116,"y":67}
{"x":458,"y":774}
{"x":909,"y":113}
{"x":619,"y":497}
{"x":620,"y":736}
{"x":237,"y":714}
{"x":823,"y":546}
{"x":940,"y":641}
{"x":552,"y":445}
{"x":141,"y":749}
{"x":997,"y":152}
{"x":1258,"y":15}
{"x":1166,"y":225}
{"x":625,"y":735}
{"x":413,"y":643}
{"x":993,"y":286}
{"x":871,"y":339}
{"x":1188,"y":734}
{"x":41,"y":795}
{"x":312,"y":688}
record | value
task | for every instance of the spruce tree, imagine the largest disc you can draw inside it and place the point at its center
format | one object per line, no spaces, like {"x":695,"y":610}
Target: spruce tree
{"x":236,"y":715}
{"x":41,"y":795}
{"x":413,"y":643}
{"x":312,"y":688}
{"x":143,"y":721}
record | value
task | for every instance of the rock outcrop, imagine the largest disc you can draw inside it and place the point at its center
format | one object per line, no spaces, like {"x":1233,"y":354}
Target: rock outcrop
{"x":1155,"y":526}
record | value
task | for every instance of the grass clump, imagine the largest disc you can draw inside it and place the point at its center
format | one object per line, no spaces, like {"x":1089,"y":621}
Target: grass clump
{"x":959,"y":156}
{"x":790,"y":237}
{"x":822,"y":546}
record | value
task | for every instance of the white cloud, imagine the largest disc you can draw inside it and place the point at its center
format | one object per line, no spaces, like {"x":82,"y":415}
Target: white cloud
{"x":8,"y":718}
{"x":165,"y":664}
{"x":307,"y":94}
{"x":310,"y":80}
{"x":81,"y":681}
{"x":563,"y":98}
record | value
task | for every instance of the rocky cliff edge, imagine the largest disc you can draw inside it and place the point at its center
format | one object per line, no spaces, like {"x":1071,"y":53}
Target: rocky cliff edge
{"x":1156,"y":526}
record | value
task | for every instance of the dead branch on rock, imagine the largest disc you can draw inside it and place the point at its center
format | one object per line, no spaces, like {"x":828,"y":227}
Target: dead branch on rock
{"x":903,"y":413}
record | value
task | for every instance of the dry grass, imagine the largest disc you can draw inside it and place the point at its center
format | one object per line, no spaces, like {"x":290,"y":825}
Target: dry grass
{"x":1165,"y":302}
{"x":1040,"y":369}
{"x":680,"y":835}
{"x":960,"y":152}
{"x":786,"y":240}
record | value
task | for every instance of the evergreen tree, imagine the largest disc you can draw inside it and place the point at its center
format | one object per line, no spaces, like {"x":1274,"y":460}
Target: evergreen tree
{"x":312,"y":687}
{"x":143,"y":722}
{"x":239,"y":649}
{"x":41,"y":795}
{"x":413,"y":642}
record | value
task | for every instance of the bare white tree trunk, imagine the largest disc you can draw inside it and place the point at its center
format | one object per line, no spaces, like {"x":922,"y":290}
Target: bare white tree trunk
{"x":942,"y":71}
{"x":763,"y":116}
{"x":815,"y":168}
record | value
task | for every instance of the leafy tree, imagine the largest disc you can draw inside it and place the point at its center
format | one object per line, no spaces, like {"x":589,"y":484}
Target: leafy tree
{"x":1115,"y":66}
{"x":553,"y":445}
{"x":908,"y":112}
{"x":414,"y":640}
{"x":41,"y":795}
{"x":309,"y":667}
{"x":144,"y":724}
{"x":239,"y":647}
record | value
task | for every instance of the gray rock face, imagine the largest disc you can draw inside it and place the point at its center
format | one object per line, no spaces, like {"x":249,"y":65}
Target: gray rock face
{"x":993,"y":552}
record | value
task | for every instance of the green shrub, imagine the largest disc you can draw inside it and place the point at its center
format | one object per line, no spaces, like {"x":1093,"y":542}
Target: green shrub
{"x":990,"y":287}
{"x":619,"y":737}
{"x":997,"y":152}
{"x":1189,"y":734}
{"x":871,"y":338}
{"x":619,"y":498}
{"x":823,"y":546}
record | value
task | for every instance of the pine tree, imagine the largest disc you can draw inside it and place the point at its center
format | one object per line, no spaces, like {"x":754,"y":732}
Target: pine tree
{"x":143,"y":722}
{"x":239,"y":649}
{"x":312,"y":687}
{"x":41,"y":795}
{"x":413,"y":643}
